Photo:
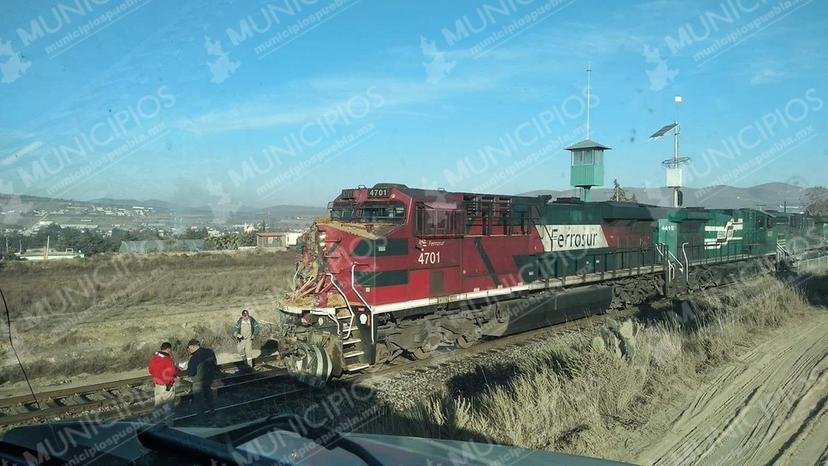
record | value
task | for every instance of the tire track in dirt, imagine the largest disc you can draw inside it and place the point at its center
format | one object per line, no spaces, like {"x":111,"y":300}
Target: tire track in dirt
{"x":768,"y":407}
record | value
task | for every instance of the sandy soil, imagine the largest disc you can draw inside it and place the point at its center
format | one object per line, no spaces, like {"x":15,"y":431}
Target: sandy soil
{"x":767,"y":407}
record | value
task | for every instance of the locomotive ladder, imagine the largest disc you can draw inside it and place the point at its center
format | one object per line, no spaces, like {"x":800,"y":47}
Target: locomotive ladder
{"x":782,"y":247}
{"x":352,"y":344}
{"x":353,"y":348}
{"x":671,"y":264}
{"x":783,"y":256}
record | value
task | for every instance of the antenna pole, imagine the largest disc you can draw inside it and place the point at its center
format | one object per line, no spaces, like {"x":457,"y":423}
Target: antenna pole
{"x":675,"y":145}
{"x":589,"y":95}
{"x":677,"y":100}
{"x":676,"y":167}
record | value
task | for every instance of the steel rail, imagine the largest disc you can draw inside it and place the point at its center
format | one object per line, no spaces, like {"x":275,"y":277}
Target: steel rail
{"x":59,"y":402}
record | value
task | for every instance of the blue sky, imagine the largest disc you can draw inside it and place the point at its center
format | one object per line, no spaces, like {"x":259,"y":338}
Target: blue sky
{"x":289,"y":101}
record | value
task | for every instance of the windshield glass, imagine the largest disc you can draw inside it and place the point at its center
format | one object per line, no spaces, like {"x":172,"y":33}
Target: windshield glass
{"x":343,"y":212}
{"x":381,"y":212}
{"x":369,"y":212}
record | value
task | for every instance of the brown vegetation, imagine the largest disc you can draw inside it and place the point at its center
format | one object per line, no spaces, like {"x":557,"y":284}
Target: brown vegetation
{"x":108,"y":313}
{"x":585,"y":397}
{"x":126,"y":280}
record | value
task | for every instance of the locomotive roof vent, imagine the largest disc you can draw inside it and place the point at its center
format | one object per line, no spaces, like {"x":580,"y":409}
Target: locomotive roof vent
{"x":391,"y":185}
{"x":567,"y":200}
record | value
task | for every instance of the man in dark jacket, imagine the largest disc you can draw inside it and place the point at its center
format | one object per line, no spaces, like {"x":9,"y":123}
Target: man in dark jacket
{"x":202,"y":368}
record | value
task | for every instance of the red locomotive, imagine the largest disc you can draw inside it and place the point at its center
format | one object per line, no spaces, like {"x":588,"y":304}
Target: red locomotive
{"x":396,"y":271}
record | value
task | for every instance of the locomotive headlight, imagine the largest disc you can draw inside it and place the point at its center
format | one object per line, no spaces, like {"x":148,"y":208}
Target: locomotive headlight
{"x":363,"y":319}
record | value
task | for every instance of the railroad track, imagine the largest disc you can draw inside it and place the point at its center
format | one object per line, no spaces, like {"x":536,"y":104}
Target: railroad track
{"x":125,"y":393}
{"x":134,"y":397}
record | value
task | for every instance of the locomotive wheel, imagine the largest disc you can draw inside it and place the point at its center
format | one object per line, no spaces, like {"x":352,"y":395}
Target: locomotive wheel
{"x":311,"y":364}
{"x":419,"y":354}
{"x":463,"y":342}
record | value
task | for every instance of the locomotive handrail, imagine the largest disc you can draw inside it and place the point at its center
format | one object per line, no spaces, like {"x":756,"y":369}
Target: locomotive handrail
{"x":671,"y":268}
{"x":676,"y":259}
{"x":540,"y":217}
{"x":350,"y":311}
{"x":686,"y":262}
{"x":359,"y":295}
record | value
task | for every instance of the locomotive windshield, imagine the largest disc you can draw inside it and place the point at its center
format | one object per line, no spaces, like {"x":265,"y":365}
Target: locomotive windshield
{"x":369,"y":212}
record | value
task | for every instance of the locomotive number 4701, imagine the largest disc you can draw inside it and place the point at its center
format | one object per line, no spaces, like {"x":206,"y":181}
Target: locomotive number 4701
{"x":429,"y":258}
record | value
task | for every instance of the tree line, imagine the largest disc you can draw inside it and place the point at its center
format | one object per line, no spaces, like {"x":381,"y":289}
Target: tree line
{"x":91,"y":242}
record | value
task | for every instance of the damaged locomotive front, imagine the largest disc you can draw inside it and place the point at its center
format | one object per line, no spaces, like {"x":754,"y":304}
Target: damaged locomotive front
{"x":325,"y":317}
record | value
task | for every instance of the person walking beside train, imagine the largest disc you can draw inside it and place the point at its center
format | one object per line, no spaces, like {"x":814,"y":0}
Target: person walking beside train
{"x":163,"y":370}
{"x":202,"y":368}
{"x":245,"y":330}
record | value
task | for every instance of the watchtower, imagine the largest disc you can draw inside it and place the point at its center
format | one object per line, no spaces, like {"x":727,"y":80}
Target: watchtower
{"x":587,"y":156}
{"x":587,"y":166}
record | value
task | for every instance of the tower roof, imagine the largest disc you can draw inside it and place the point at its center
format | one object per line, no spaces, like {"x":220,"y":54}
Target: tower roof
{"x":587,"y":144}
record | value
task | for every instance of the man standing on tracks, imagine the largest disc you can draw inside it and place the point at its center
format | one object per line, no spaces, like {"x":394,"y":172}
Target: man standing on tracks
{"x":163,"y":370}
{"x":202,"y":369}
{"x":245,"y":330}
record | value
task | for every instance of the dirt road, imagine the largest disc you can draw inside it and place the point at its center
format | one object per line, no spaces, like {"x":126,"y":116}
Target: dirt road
{"x":768,"y":407}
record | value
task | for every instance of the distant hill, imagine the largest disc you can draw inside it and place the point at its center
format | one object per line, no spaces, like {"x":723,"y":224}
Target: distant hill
{"x":27,"y":210}
{"x":766,"y":196}
{"x":38,"y":202}
{"x":294,"y":210}
{"x":110,"y":202}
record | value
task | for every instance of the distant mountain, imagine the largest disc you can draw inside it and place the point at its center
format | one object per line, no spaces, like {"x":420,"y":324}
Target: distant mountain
{"x":154,"y":203}
{"x":25,"y":211}
{"x":771,"y":196}
{"x":242,"y":210}
{"x":294,"y":210}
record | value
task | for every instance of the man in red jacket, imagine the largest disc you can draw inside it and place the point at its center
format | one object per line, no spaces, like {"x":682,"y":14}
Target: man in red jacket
{"x":163,"y":370}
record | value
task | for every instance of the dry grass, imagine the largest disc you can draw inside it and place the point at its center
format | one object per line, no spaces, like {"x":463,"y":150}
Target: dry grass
{"x":571,"y":397}
{"x":108,"y":313}
{"x":130,"y":355}
{"x":124,"y":280}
